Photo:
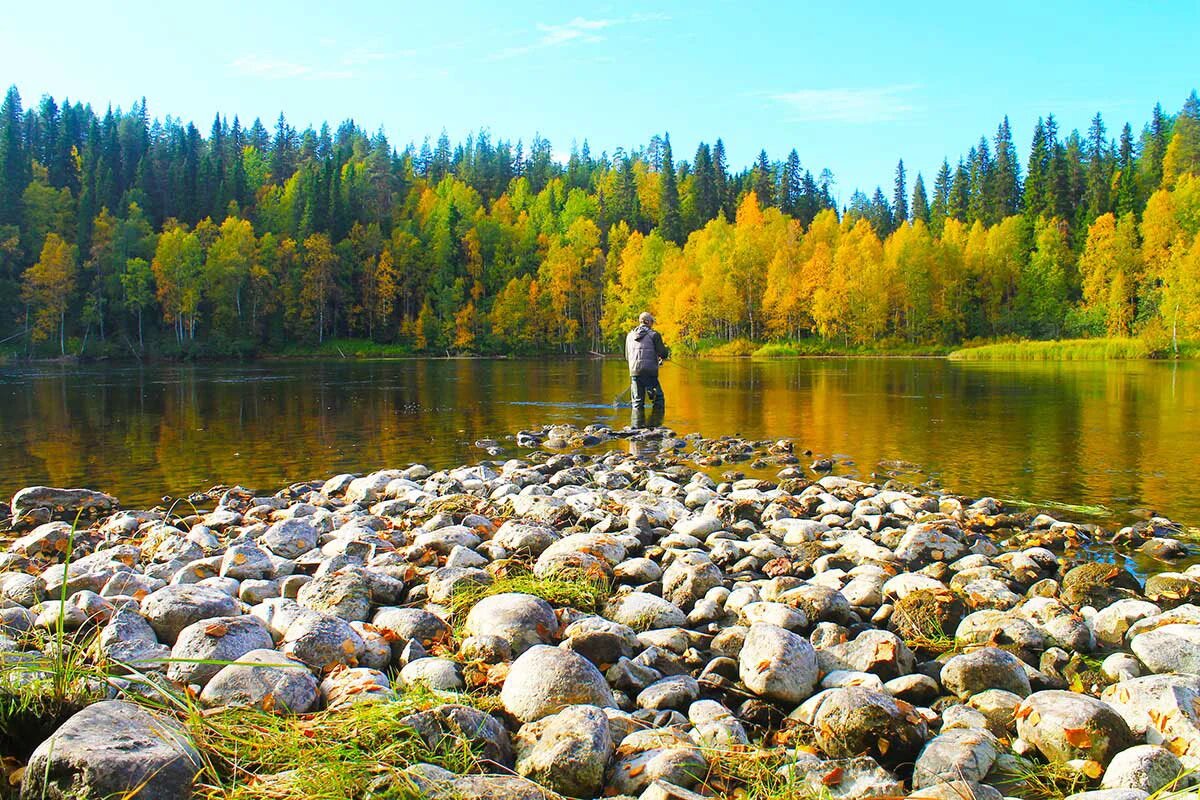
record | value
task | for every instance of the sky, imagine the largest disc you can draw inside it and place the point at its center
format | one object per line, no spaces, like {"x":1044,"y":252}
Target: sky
{"x":851,"y":86}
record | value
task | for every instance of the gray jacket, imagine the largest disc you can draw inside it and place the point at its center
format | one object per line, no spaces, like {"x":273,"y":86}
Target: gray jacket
{"x":643,"y":349}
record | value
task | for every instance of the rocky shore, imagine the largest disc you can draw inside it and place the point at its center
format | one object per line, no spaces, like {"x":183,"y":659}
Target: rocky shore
{"x":578,"y":623}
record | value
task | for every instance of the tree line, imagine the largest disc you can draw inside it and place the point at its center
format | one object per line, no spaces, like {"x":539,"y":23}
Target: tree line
{"x":119,"y":235}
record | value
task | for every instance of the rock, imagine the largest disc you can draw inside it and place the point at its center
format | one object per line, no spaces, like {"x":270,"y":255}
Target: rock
{"x":264,"y":679}
{"x":675,"y":692}
{"x":778,"y":664}
{"x":344,"y":594}
{"x":522,"y":620}
{"x":955,"y":755}
{"x":450,"y":721}
{"x":1111,"y":623}
{"x":439,"y":674}
{"x":413,"y":624}
{"x":521,"y":538}
{"x":246,"y":560}
{"x":854,"y":721}
{"x":879,"y":652}
{"x":290,"y":538}
{"x":957,"y":790}
{"x":172,"y":608}
{"x":349,"y":687}
{"x":113,"y":748}
{"x":1066,"y":725}
{"x":1109,"y":794}
{"x":545,"y":679}
{"x":62,"y":504}
{"x":688,"y":578}
{"x":498,"y":787}
{"x":1147,"y":767}
{"x":568,"y":752}
{"x":1171,"y":648}
{"x":1165,"y":709}
{"x":715,"y":726}
{"x":987,"y":668}
{"x":322,"y":641}
{"x":845,"y":779}
{"x":646,"y":756}
{"x":203,"y":643}
{"x":924,"y":542}
{"x":643,"y":612}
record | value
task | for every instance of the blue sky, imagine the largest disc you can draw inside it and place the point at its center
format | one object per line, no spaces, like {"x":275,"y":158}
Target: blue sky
{"x":852,"y":87}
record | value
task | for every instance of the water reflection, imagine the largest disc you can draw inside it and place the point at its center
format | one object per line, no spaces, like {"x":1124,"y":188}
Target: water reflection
{"x":1120,"y":435}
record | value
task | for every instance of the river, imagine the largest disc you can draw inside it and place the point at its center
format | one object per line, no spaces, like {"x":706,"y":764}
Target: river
{"x":1122,"y":435}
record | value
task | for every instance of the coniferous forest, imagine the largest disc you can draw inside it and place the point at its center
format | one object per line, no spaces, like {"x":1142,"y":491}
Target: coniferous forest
{"x":124,"y":235}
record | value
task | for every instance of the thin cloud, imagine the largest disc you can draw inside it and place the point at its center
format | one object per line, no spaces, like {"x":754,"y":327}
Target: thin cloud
{"x":279,"y":69}
{"x":579,"y":30}
{"x":361,"y":56}
{"x":849,"y":105}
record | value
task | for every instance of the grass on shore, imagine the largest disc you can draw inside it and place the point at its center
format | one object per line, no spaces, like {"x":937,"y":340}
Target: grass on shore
{"x":1114,"y":349}
{"x":810,"y":348}
{"x":584,"y":592}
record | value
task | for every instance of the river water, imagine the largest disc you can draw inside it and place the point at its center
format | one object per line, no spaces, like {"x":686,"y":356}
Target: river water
{"x":1125,"y":436}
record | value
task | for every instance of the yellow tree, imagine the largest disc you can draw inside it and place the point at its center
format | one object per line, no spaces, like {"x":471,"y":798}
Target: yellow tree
{"x":317,"y":292}
{"x":177,"y":273}
{"x":1110,"y":268}
{"x":227,"y":270}
{"x":952,"y":285}
{"x":47,"y":289}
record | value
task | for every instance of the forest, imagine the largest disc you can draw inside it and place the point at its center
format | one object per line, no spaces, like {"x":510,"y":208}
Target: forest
{"x":125,"y":236}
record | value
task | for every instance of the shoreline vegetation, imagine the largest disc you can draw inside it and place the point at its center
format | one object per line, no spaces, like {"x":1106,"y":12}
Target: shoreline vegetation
{"x":636,"y":628}
{"x":1097,"y":349}
{"x":126,"y":236}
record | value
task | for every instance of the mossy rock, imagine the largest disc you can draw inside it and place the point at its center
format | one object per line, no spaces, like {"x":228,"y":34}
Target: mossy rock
{"x":926,"y":617}
{"x":1098,"y":585}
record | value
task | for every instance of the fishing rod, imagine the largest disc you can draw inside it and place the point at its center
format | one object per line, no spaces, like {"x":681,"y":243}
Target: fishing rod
{"x":617,"y":400}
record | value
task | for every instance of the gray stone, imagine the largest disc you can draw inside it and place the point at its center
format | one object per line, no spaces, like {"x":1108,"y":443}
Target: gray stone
{"x":290,"y":538}
{"x":172,"y":608}
{"x":438,"y":724}
{"x":567,"y":752}
{"x":778,"y":664}
{"x":674,"y":692}
{"x":344,"y":594}
{"x":845,"y":778}
{"x":881,"y":653}
{"x":322,"y":641}
{"x":987,"y":668}
{"x":1164,"y":709}
{"x":545,"y":679}
{"x":522,"y":620}
{"x":265,"y":679}
{"x":643,"y":612}
{"x":1067,"y":725}
{"x":522,"y":538}
{"x":220,"y":639}
{"x":688,"y":578}
{"x":955,"y":755}
{"x":1148,"y":767}
{"x":853,"y":721}
{"x":440,"y":674}
{"x":1171,"y":648}
{"x":62,"y":504}
{"x":113,"y":748}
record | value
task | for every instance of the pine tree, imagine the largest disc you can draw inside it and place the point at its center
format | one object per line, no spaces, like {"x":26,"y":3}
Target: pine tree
{"x":881,"y":215}
{"x":1126,"y":200}
{"x":960,"y":194}
{"x":920,"y":202}
{"x":764,"y":181}
{"x":1097,"y":199}
{"x":940,"y":208}
{"x":979,"y":162}
{"x":708,"y":204}
{"x":1006,"y":179}
{"x":899,"y":197}
{"x":1037,"y":173}
{"x":14,"y":163}
{"x":1183,"y":153}
{"x":721,"y":173}
{"x":791,"y":185}
{"x":670,"y":223}
{"x":1154,"y":147}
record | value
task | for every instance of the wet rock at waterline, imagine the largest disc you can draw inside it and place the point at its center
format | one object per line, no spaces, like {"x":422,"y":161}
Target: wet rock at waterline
{"x":627,"y":623}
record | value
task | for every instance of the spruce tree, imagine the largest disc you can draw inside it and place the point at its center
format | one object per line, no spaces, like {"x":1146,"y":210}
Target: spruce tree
{"x":670,"y":223}
{"x":960,"y":194}
{"x":1126,"y":200}
{"x":940,"y":209}
{"x":880,"y":214}
{"x":920,"y":201}
{"x":1099,"y":169}
{"x":1037,"y":173}
{"x":1006,"y":179}
{"x":900,"y":196}
{"x":764,"y":181}
{"x":708,"y":205}
{"x":15,"y":169}
{"x":721,"y":172}
{"x":791,"y":185}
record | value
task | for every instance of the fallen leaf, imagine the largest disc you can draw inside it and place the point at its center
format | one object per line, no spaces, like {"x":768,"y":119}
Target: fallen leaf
{"x":884,"y":745}
{"x":833,"y":777}
{"x":1092,"y":769}
{"x":216,"y":630}
{"x":1078,"y":737}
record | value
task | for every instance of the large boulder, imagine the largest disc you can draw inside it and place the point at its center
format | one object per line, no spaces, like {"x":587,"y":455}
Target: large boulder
{"x":778,"y":664}
{"x":449,"y":722}
{"x":202,"y":646}
{"x":1171,"y":648}
{"x":1164,"y":709}
{"x":522,"y":620}
{"x":62,"y":504}
{"x":544,"y":680}
{"x":172,"y":608}
{"x":1066,"y":725}
{"x":265,"y":679}
{"x":567,"y":752}
{"x":968,"y":674}
{"x":853,"y":721}
{"x":957,"y":754}
{"x":113,"y":748}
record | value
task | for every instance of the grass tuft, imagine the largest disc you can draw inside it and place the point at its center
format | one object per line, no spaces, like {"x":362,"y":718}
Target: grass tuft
{"x":1040,"y":780}
{"x":568,"y":588}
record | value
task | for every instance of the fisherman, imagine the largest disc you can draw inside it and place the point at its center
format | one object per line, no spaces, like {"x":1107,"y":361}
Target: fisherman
{"x":645,"y":351}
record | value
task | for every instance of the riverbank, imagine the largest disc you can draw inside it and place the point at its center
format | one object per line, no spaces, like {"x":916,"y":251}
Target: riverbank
{"x":618,"y":613}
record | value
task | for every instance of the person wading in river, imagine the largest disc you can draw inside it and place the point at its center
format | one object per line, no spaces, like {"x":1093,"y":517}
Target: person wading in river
{"x":645,"y":351}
